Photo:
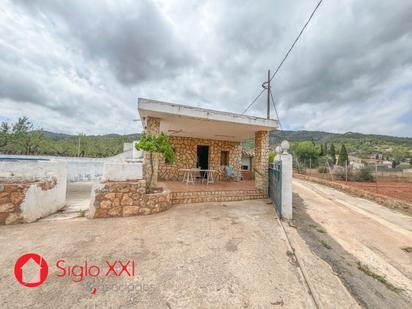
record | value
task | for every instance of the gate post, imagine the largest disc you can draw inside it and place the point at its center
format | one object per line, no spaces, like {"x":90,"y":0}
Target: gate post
{"x":287,"y":174}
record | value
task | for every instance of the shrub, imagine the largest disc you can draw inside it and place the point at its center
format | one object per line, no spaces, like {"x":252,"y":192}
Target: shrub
{"x":364,"y":174}
{"x":323,"y":169}
{"x":340,"y":174}
{"x":271,"y":156}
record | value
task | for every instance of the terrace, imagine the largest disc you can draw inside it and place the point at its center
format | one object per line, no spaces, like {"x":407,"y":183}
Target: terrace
{"x":207,"y":140}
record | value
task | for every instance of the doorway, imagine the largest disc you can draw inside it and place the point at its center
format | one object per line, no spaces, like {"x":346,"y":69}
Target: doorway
{"x":203,"y":157}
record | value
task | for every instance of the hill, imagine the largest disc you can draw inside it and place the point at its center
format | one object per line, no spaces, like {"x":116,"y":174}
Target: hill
{"x":326,"y":137}
{"x":358,"y":144}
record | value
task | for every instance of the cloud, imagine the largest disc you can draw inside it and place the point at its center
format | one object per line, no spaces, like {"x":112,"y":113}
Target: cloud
{"x":85,"y":62}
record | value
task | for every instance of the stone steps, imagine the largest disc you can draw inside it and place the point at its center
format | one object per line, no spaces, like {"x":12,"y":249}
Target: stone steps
{"x":215,"y":196}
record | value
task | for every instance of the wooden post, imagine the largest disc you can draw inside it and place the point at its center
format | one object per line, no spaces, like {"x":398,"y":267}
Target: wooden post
{"x":346,"y":171}
{"x":376,"y":176}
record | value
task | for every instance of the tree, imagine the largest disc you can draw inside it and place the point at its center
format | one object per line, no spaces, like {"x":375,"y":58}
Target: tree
{"x":4,"y":134}
{"x":305,"y":151}
{"x":156,"y":144}
{"x":343,"y":156}
{"x":332,"y":153}
{"x":410,"y":161}
{"x":322,"y":152}
{"x":25,"y":137}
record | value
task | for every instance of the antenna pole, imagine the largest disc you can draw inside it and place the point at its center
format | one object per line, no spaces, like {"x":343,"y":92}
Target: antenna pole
{"x":268,"y":99}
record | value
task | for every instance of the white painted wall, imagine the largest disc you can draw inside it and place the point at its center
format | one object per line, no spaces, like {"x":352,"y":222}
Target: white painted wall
{"x":38,"y":203}
{"x":83,"y":169}
{"x":122,"y":171}
{"x":287,"y":189}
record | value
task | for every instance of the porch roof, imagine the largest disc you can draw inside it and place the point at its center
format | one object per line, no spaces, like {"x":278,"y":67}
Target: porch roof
{"x":189,"y":121}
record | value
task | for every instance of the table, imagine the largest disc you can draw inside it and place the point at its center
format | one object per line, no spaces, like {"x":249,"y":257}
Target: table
{"x":189,"y":174}
{"x":210,"y":178}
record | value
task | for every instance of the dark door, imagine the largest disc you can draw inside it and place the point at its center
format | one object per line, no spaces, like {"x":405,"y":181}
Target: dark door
{"x":203,"y":157}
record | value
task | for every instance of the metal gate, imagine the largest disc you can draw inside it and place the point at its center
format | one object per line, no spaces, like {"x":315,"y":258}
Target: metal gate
{"x":275,"y":185}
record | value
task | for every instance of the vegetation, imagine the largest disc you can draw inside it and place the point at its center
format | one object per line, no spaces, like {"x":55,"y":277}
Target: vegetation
{"x":343,"y":156}
{"x":322,"y":169}
{"x":271,"y":156}
{"x":325,"y":244}
{"x":306,"y":152}
{"x":332,"y":153}
{"x":360,"y":145}
{"x":156,"y":144}
{"x":363,"y":174}
{"x":23,"y":138}
{"x":381,"y":279}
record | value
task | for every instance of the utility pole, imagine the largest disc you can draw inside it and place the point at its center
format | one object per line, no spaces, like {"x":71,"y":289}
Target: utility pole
{"x":268,"y":85}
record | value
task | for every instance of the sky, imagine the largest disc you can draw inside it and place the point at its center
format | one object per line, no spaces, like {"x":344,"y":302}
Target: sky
{"x":79,"y":66}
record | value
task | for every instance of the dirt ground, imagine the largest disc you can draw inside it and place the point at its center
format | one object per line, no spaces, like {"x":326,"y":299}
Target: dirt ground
{"x":365,"y":243}
{"x":213,"y":255}
{"x":399,"y":190}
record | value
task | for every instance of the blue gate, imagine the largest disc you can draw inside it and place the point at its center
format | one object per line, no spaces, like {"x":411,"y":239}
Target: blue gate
{"x":275,"y":185}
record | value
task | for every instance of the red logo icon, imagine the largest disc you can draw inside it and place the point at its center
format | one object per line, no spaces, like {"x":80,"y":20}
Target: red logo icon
{"x":31,"y":270}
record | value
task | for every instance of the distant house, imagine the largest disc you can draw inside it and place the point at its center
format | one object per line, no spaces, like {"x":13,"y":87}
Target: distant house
{"x":385,"y":164}
{"x":355,"y":163}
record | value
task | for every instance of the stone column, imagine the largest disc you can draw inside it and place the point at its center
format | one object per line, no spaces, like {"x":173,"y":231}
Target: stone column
{"x":152,"y":126}
{"x":261,"y":160}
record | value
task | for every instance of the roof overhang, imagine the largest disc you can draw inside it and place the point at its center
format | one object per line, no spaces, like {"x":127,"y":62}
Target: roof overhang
{"x":189,"y":121}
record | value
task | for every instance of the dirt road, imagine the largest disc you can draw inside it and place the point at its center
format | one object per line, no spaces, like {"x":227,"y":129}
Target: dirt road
{"x":365,"y":243}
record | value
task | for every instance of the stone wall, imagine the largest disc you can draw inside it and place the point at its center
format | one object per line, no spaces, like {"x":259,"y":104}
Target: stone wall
{"x":186,"y":156}
{"x":216,"y":196}
{"x":14,"y":194}
{"x":261,"y":160}
{"x":126,"y":198}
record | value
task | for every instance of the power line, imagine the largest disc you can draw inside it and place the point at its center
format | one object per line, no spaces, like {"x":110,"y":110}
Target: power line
{"x":296,"y":40}
{"x":257,"y":97}
{"x":276,"y":111}
{"x":283,"y":60}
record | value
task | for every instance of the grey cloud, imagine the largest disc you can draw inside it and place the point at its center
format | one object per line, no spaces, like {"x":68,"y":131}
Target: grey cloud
{"x":135,"y":40}
{"x":352,"y":58}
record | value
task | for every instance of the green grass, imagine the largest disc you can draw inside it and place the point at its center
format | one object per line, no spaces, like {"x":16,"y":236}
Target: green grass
{"x":82,"y":213}
{"x":381,"y":279}
{"x":325,"y":244}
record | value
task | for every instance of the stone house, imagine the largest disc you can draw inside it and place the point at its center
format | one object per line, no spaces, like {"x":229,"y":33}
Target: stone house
{"x":201,"y":138}
{"x":206,"y":139}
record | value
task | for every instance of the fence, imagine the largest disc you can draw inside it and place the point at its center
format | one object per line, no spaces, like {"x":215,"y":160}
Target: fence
{"x":275,"y":185}
{"x":368,"y":179}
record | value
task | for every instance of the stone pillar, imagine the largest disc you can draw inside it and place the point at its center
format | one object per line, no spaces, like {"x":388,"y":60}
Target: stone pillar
{"x":152,"y":126}
{"x":287,"y":161}
{"x":261,"y":160}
